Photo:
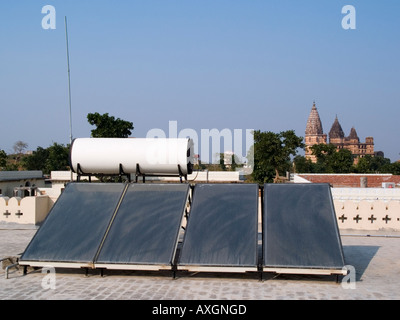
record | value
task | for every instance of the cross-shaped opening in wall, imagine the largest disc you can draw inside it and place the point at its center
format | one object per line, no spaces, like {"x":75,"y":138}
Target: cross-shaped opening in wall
{"x":357,"y":218}
{"x":372,"y":218}
{"x":386,"y":219}
{"x":7,"y":213}
{"x":19,"y":213}
{"x":342,"y":217}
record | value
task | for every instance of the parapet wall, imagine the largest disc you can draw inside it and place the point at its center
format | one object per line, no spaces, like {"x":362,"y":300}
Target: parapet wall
{"x":369,"y":209}
{"x":352,"y":180}
{"x":29,"y":210}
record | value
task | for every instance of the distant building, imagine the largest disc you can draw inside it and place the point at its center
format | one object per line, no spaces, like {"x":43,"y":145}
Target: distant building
{"x":20,"y":183}
{"x":315,"y":135}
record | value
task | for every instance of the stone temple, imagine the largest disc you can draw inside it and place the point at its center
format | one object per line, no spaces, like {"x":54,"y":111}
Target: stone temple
{"x":315,"y":135}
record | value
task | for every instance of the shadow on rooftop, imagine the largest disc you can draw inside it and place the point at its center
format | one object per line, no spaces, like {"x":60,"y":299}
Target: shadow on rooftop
{"x":359,"y":257}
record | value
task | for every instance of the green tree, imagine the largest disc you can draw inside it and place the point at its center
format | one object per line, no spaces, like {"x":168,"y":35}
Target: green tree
{"x":323,"y":153}
{"x":53,"y":158}
{"x":272,"y":152}
{"x":58,"y":159}
{"x":303,"y":165}
{"x":222,"y":162}
{"x":331,"y":160}
{"x":381,"y":165}
{"x":364,"y":164}
{"x":3,"y":159}
{"x":395,"y":168}
{"x":341,"y":162}
{"x":37,"y":160}
{"x":109,"y":127}
{"x":369,"y":164}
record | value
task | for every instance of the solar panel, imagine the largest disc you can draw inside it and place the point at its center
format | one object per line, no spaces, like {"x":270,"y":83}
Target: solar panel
{"x":73,"y":230}
{"x":222,"y":228}
{"x":300,"y":229}
{"x":136,"y":226}
{"x":146,"y":227}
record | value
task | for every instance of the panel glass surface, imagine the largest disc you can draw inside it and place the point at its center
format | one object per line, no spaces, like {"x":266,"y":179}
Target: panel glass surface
{"x":222,"y":226}
{"x":146,"y":227}
{"x":74,"y":228}
{"x":300,"y":227}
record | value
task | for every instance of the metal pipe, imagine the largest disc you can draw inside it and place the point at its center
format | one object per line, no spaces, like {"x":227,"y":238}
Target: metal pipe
{"x":9,"y":267}
{"x":370,"y":235}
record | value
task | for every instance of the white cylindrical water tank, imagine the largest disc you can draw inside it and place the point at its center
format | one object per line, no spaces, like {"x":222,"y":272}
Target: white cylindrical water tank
{"x":153,"y":156}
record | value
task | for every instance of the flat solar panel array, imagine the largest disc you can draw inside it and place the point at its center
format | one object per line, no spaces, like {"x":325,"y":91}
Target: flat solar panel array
{"x":146,"y":227}
{"x":222,"y":229}
{"x":110,"y":226}
{"x":300,"y":228}
{"x":139,"y":226}
{"x":76,"y":225}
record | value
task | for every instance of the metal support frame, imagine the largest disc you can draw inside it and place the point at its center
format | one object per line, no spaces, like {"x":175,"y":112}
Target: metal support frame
{"x":80,"y":173}
{"x":181,"y":174}
{"x":120,"y":174}
{"x":139,"y":173}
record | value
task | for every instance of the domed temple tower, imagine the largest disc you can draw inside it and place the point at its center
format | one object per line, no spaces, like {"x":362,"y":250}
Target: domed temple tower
{"x":336,"y":134}
{"x":314,"y":133}
{"x":351,"y":142}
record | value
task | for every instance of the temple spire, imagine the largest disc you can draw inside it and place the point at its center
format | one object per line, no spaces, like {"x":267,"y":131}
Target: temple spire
{"x":314,"y":125}
{"x":336,"y":130}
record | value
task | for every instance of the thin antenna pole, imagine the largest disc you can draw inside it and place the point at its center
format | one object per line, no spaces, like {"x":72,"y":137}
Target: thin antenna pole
{"x":69,"y":83}
{"x":69,"y":91}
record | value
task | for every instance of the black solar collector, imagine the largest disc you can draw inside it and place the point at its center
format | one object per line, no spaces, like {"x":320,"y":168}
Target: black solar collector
{"x":300,"y":229}
{"x":114,"y":226}
{"x":137,"y":227}
{"x":73,"y":230}
{"x":221,"y":234}
{"x":144,"y":233}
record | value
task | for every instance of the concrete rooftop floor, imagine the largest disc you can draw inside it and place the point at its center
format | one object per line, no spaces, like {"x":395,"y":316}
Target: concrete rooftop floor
{"x":376,"y":259}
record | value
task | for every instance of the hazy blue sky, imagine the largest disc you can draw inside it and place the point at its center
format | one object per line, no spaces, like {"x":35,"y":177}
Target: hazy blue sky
{"x":237,"y":64}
